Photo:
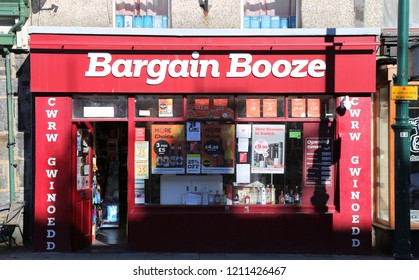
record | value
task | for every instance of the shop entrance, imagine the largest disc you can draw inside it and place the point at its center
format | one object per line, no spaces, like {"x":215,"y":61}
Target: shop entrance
{"x":110,"y":146}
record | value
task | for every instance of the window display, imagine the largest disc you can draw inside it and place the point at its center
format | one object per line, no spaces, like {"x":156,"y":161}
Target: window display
{"x":258,"y":157}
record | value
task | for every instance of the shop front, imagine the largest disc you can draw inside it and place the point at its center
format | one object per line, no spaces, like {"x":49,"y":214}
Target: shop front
{"x":212,"y":140}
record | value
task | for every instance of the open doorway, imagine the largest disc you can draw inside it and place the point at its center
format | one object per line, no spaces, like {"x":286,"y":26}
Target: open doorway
{"x":110,"y":145}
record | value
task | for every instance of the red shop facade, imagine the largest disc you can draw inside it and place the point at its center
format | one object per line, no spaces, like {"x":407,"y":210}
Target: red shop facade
{"x":204,"y":140}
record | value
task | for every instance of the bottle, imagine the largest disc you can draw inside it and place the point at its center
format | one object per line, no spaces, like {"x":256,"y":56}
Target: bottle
{"x":223,"y":198}
{"x":172,"y":156}
{"x":286,"y":196}
{"x":252,"y":195}
{"x":296,"y":196}
{"x":166,"y":159}
{"x":211,"y":198}
{"x":281,"y":198}
{"x":236,"y":198}
{"x":217,"y":198}
{"x":276,"y":156}
{"x":261,"y":161}
{"x":268,"y":194}
{"x":159,"y":160}
{"x":263,"y":195}
{"x":220,"y":154}
{"x":273,"y":191}
{"x":247,"y":199}
{"x":228,"y":155}
{"x":291,"y":197}
{"x":258,"y":196}
{"x":179,"y":156}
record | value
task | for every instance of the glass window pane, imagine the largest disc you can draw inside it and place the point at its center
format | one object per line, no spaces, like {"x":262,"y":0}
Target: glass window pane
{"x":414,"y":161}
{"x":210,"y":107}
{"x":260,"y":107}
{"x":311,"y":107}
{"x":152,"y":106}
{"x":382,"y":136}
{"x":142,"y":13}
{"x":269,"y":14}
{"x":99,"y":106}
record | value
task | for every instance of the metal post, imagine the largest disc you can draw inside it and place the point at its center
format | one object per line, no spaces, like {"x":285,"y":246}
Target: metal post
{"x":11,"y":136}
{"x":402,"y":130}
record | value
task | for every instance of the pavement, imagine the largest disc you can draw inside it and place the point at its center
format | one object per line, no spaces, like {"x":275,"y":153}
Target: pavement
{"x":116,"y":253}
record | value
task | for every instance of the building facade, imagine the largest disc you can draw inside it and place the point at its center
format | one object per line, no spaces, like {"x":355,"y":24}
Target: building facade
{"x":215,"y":14}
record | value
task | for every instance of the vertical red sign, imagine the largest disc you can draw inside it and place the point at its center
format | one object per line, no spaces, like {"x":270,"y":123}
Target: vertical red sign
{"x":354,"y":218}
{"x":53,"y":181}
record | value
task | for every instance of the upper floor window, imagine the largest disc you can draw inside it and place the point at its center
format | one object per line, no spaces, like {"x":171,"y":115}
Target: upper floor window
{"x":269,"y":13}
{"x":142,"y":13}
{"x":391,"y":13}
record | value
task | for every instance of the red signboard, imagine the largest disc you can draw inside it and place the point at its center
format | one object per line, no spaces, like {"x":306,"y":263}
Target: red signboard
{"x":53,"y":177}
{"x":169,"y":68}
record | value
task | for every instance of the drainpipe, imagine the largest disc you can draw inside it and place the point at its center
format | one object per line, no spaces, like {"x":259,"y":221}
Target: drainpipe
{"x":11,"y":136}
{"x":23,"y":15}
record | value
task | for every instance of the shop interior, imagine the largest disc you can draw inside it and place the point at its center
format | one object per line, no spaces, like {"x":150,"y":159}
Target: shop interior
{"x":110,"y":146}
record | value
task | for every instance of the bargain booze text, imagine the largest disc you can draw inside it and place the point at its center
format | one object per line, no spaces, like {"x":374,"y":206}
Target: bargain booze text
{"x":241,"y":65}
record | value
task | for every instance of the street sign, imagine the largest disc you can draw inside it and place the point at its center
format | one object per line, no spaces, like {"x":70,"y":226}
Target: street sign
{"x":404,"y":93}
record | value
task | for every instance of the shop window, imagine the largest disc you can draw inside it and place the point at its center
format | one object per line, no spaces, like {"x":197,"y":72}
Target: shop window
{"x":210,"y":107}
{"x":142,"y":13}
{"x":260,"y":107}
{"x":147,"y":106}
{"x":270,"y":13}
{"x":219,"y":164}
{"x":311,"y":107}
{"x":99,"y":106}
{"x":414,"y":161}
{"x":391,"y":14}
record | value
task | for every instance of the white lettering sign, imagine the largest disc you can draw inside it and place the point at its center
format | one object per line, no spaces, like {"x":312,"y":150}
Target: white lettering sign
{"x":241,"y":65}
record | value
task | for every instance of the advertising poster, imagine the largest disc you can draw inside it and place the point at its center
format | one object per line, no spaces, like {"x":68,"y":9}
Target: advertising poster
{"x":167,"y":148}
{"x":313,"y":107}
{"x":166,"y":107}
{"x":202,"y":107}
{"x":141,"y":160}
{"x":218,"y":149}
{"x":270,"y":107}
{"x":298,"y":108}
{"x":268,"y":148}
{"x":220,"y":108}
{"x":193,"y":164}
{"x":253,"y":108}
{"x":318,"y":163}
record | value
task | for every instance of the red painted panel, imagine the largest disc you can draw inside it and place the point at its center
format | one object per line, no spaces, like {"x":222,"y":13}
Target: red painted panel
{"x":353,"y":222}
{"x":137,"y":64}
{"x":52,"y":173}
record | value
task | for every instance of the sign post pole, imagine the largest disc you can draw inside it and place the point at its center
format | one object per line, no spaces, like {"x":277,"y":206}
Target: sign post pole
{"x":402,"y":130}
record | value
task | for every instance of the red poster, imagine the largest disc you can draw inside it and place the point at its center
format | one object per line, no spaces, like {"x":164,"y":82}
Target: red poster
{"x":202,"y":108}
{"x":270,"y":107}
{"x":167,"y":148}
{"x":219,"y":108}
{"x":253,"y":108}
{"x":313,"y":107}
{"x":298,"y":108}
{"x":140,"y":134}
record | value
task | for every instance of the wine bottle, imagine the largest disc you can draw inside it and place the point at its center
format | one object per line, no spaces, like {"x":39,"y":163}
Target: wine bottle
{"x":179,"y":156}
{"x":172,"y":157}
{"x":228,"y":156}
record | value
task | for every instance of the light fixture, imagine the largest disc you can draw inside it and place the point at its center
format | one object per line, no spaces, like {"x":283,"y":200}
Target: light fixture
{"x":345,"y":103}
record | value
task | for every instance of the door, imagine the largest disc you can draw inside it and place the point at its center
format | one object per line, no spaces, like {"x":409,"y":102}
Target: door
{"x":82,"y":153}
